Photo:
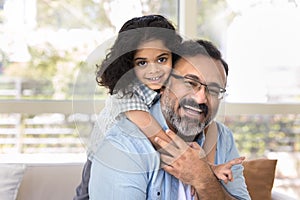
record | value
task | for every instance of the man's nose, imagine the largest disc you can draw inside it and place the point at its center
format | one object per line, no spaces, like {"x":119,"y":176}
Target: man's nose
{"x":200,"y":95}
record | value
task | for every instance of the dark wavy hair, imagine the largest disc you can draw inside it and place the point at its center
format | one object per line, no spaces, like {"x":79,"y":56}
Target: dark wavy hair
{"x":115,"y":71}
{"x":204,"y":47}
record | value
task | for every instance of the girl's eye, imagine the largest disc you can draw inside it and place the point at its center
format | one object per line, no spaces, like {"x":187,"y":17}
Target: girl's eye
{"x":162,"y":60}
{"x":141,"y":63}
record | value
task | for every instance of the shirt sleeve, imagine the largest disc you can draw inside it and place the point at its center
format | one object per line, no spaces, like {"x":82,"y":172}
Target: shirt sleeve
{"x":109,"y":183}
{"x":116,"y":105}
{"x":122,"y":165}
{"x":226,"y":151}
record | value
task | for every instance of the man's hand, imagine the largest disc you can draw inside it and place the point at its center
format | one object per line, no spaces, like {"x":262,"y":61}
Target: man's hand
{"x":185,"y":162}
{"x":188,"y":163}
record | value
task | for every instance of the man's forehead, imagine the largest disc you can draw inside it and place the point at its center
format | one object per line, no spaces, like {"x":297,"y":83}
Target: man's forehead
{"x":204,"y":67}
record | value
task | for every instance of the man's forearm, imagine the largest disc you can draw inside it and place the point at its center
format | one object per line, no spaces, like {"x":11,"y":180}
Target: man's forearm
{"x":210,"y":187}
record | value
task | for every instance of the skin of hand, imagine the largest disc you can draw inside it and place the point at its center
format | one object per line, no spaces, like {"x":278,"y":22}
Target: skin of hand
{"x":223,"y":171}
{"x":188,"y":163}
{"x":178,"y":156}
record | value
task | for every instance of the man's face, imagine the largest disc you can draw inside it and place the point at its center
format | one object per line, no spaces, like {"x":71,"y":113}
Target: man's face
{"x":189,"y":109}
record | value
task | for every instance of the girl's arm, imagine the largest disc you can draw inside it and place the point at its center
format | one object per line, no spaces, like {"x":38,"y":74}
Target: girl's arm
{"x":149,"y":126}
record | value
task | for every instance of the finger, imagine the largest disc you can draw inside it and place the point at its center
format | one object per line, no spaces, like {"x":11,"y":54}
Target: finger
{"x":225,"y":181}
{"x":166,"y":159}
{"x":170,"y":169}
{"x":236,"y":161}
{"x":223,"y":178}
{"x":176,"y":139}
{"x":166,"y":147}
{"x":195,"y":145}
{"x":192,"y":191}
{"x":195,"y":197}
{"x":229,"y":176}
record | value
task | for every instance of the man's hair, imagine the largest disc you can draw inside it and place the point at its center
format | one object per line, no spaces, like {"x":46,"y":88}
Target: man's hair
{"x":119,"y":61}
{"x":203,"y":47}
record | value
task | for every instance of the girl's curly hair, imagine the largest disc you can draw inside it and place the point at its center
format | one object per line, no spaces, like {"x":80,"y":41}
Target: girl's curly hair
{"x":115,"y":71}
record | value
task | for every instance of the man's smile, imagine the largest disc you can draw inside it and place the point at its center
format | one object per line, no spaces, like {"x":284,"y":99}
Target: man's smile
{"x":191,"y":109}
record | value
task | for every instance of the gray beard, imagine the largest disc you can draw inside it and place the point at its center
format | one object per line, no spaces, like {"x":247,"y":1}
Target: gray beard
{"x":185,"y":127}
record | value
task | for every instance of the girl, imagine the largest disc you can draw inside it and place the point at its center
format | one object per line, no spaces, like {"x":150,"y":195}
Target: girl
{"x":134,"y":70}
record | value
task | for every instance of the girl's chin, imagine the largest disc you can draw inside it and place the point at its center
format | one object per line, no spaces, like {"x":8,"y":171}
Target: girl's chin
{"x":154,"y":86}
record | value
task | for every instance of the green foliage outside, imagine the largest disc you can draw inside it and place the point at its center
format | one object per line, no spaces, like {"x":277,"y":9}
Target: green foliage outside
{"x":256,"y":135}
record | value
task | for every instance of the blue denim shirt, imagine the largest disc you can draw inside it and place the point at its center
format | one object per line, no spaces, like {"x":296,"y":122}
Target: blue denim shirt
{"x":127,"y":167}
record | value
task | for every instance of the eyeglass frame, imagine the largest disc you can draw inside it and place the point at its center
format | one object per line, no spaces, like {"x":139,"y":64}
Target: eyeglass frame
{"x":196,"y":88}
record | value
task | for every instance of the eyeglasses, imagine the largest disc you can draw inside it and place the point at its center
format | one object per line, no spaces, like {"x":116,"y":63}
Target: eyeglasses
{"x":194,"y":84}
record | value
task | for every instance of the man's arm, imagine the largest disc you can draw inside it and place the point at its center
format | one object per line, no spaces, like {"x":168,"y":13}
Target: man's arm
{"x":189,"y":164}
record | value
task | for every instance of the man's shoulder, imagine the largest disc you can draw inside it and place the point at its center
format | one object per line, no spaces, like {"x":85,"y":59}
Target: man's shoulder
{"x":225,"y":134}
{"x":126,"y":135}
{"x":223,"y":129}
{"x":123,"y":149}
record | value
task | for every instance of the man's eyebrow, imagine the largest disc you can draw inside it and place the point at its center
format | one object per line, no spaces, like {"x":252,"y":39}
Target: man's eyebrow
{"x":194,"y":77}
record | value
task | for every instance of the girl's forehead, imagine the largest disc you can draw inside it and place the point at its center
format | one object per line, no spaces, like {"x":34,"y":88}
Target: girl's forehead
{"x":153,"y":44}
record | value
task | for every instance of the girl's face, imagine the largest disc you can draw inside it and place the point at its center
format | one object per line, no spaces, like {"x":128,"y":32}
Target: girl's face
{"x":152,"y":63}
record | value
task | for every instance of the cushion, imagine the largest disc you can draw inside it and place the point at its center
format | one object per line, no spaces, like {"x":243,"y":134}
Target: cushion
{"x":10,"y":179}
{"x":259,"y":176}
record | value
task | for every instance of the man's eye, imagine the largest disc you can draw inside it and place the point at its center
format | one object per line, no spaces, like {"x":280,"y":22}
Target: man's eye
{"x":191,"y":83}
{"x":213,"y":90}
{"x":162,"y":60}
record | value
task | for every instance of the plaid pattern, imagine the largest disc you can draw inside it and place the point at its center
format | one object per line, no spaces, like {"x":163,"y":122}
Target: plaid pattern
{"x":115,"y":107}
{"x":142,"y":99}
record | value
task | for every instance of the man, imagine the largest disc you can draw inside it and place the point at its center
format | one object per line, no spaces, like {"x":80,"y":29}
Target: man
{"x":194,"y":92}
{"x":126,"y":166}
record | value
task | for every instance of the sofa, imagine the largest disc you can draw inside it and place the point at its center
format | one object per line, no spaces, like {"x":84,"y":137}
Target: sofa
{"x":59,"y":181}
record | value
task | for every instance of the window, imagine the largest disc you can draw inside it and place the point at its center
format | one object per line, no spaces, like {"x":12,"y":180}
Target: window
{"x":43,"y":54}
{"x":259,"y":40}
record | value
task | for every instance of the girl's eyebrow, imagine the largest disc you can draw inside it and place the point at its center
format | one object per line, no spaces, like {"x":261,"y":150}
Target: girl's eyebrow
{"x":160,"y":55}
{"x":163,"y":54}
{"x":139,"y":58}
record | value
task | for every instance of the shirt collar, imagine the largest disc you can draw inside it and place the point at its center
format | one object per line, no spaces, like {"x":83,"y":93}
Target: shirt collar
{"x":148,"y":95}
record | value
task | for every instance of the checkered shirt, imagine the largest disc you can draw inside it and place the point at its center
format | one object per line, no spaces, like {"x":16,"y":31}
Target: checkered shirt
{"x":116,"y":105}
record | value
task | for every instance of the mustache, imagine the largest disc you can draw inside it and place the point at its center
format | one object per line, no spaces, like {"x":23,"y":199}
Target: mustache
{"x":192,"y":103}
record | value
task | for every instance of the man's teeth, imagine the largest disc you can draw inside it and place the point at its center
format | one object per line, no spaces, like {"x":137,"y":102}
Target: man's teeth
{"x":193,"y":108}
